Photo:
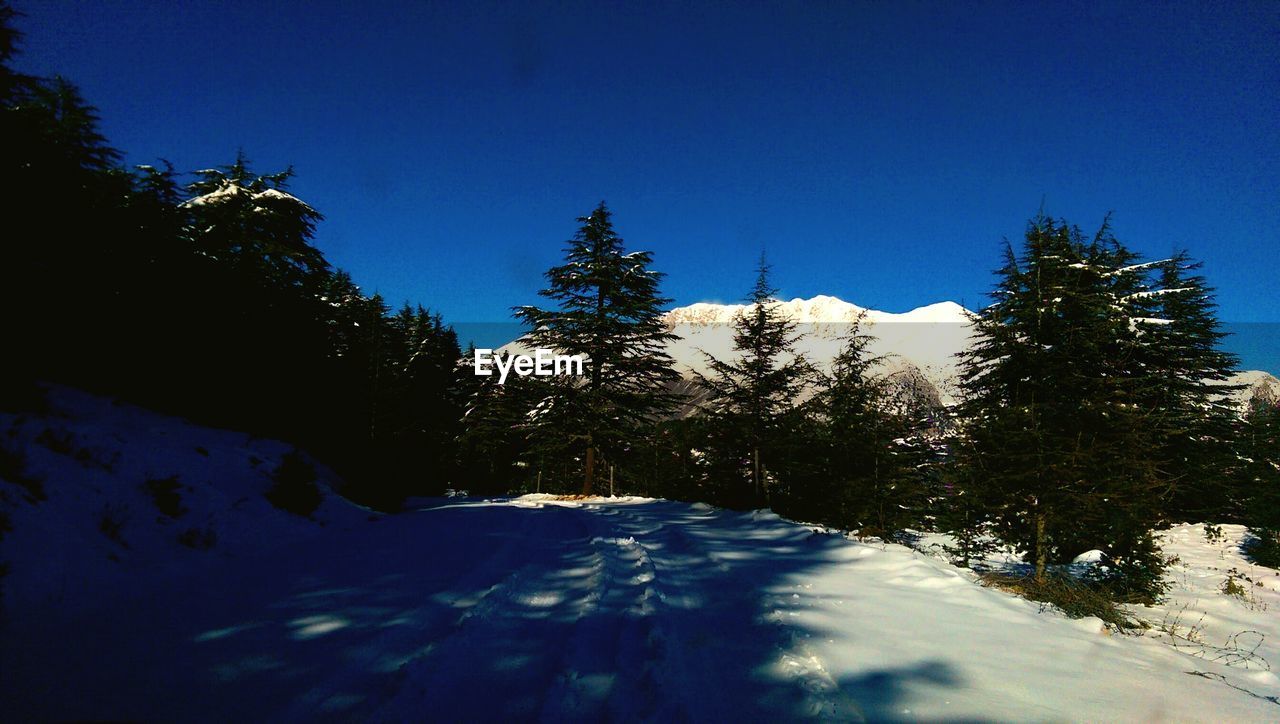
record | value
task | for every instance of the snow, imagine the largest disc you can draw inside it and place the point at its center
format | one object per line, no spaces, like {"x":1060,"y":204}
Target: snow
{"x":1254,"y":383}
{"x":1093,"y":556}
{"x":1158,"y":292}
{"x":222,"y":193}
{"x":1138,"y":267}
{"x":230,"y":190}
{"x":1211,"y":623}
{"x":821,"y":309}
{"x":278,"y":195}
{"x":94,"y":458}
{"x":618,"y":608}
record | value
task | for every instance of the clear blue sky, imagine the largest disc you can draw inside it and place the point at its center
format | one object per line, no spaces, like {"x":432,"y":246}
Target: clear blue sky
{"x":880,"y":152}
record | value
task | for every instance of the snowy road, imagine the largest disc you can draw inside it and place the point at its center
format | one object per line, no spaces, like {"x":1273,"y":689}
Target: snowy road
{"x":619,"y":610}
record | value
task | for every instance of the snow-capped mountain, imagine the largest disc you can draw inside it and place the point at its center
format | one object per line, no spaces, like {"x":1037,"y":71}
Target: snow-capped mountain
{"x":821,"y":309}
{"x":921,"y":343}
{"x":1257,"y":384}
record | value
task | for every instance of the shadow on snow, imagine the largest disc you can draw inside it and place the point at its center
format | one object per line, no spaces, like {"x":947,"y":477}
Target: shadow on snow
{"x":618,"y":611}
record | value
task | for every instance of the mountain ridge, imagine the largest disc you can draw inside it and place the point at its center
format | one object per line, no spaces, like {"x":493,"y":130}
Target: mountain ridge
{"x":820,"y":309}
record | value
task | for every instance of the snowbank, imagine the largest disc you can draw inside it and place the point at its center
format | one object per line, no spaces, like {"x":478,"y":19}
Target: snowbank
{"x":109,"y":496}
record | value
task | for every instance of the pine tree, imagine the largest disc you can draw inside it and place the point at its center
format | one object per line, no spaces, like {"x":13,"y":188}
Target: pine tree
{"x":1056,"y":442}
{"x":1193,"y":402}
{"x":155,"y":201}
{"x":497,"y":429}
{"x":608,"y":308}
{"x":752,"y":398}
{"x":1259,"y":443}
{"x":248,"y":219}
{"x":427,"y":411}
{"x":867,"y":481}
{"x":64,"y":250}
{"x":9,"y":38}
{"x":73,"y":129}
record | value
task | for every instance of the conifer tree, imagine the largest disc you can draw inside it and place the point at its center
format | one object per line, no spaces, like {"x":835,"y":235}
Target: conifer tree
{"x":74,"y":126}
{"x":9,"y":37}
{"x":1056,"y":445}
{"x":1259,"y":443}
{"x":1193,"y":409}
{"x":427,"y":410}
{"x":753,"y":395}
{"x":243,"y":218}
{"x":155,"y":201}
{"x":869,"y":482}
{"x":63,"y":250}
{"x":497,"y":428}
{"x":608,"y":308}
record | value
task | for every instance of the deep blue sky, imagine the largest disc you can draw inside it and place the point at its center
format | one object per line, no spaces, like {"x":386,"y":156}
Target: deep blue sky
{"x":879,"y":151}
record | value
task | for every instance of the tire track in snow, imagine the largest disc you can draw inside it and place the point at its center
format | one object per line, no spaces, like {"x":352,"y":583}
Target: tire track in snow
{"x":496,"y":660}
{"x":651,"y":612}
{"x":469,"y":595}
{"x":687,"y":570}
{"x":606,"y":672}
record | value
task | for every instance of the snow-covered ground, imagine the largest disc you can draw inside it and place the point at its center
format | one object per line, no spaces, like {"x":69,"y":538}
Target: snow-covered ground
{"x":632,"y":609}
{"x":1242,"y":629}
{"x":150,"y":578}
{"x":97,"y":494}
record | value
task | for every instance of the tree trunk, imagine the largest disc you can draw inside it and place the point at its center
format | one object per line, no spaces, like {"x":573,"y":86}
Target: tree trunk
{"x":1042,"y":547}
{"x":756,"y":476}
{"x":589,"y":478}
{"x":610,"y":481}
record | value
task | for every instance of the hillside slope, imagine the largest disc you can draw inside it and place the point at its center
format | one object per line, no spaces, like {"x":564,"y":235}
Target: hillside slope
{"x":96,"y":495}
